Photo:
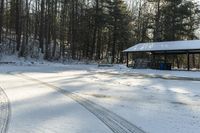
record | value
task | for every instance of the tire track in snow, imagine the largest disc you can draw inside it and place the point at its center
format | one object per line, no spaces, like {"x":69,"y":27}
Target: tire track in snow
{"x":115,"y":122}
{"x":4,"y":111}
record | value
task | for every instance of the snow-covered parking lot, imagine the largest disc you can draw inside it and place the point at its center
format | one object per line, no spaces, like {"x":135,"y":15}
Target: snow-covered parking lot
{"x":154,"y":105}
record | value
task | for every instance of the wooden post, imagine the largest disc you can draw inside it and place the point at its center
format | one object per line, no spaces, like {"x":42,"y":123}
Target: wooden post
{"x":165,"y":57}
{"x":188,"y":61}
{"x":154,"y":57}
{"x":127,"y":59}
{"x":153,"y":61}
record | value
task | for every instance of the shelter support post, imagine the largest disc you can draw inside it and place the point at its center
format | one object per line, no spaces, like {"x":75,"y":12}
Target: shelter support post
{"x":154,"y":57}
{"x":188,"y":61}
{"x":127,"y":59}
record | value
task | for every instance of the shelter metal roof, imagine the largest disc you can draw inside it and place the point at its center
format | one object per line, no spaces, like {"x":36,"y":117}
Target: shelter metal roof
{"x":173,"y":46}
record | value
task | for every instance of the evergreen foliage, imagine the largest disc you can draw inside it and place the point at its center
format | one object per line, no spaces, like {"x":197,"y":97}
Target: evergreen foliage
{"x":93,"y":29}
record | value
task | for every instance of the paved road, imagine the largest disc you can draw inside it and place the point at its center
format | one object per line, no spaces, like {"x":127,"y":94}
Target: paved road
{"x":4,"y":111}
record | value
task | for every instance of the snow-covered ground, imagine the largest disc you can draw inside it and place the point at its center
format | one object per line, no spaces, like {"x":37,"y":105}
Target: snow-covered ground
{"x":152,"y":104}
{"x":122,"y":69}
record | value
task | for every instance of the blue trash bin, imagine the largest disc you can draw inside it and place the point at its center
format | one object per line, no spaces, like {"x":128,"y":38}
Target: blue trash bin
{"x":162,"y":66}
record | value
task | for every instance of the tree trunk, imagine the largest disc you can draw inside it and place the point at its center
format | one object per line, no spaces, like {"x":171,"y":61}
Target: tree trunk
{"x":23,"y":51}
{"x":95,"y":30}
{"x":18,"y":24}
{"x":73,"y":30}
{"x":41,"y":34}
{"x":157,"y":23}
{"x":54,"y":35}
{"x":114,"y":41}
{"x":98,"y":50}
{"x":48,"y":31}
{"x":173,"y":33}
{"x":1,"y":19}
{"x":36,"y":20}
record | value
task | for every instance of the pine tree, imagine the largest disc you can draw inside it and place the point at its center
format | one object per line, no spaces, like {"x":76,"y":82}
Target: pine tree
{"x":119,"y":24}
{"x":93,"y":29}
{"x":177,"y":16}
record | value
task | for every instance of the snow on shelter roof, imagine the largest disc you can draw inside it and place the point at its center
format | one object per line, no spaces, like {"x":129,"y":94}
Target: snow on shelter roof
{"x":165,"y":46}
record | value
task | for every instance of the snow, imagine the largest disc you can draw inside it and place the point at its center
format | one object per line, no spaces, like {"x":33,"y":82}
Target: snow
{"x":15,"y":60}
{"x":122,"y":69}
{"x":152,"y":104}
{"x":165,"y":46}
{"x":38,"y":109}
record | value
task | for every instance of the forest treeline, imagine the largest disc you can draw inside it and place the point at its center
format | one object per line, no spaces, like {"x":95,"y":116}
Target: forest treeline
{"x":92,"y":29}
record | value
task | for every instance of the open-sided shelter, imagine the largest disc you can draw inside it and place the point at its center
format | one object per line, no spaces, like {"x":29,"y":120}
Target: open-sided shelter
{"x":164,"y":48}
